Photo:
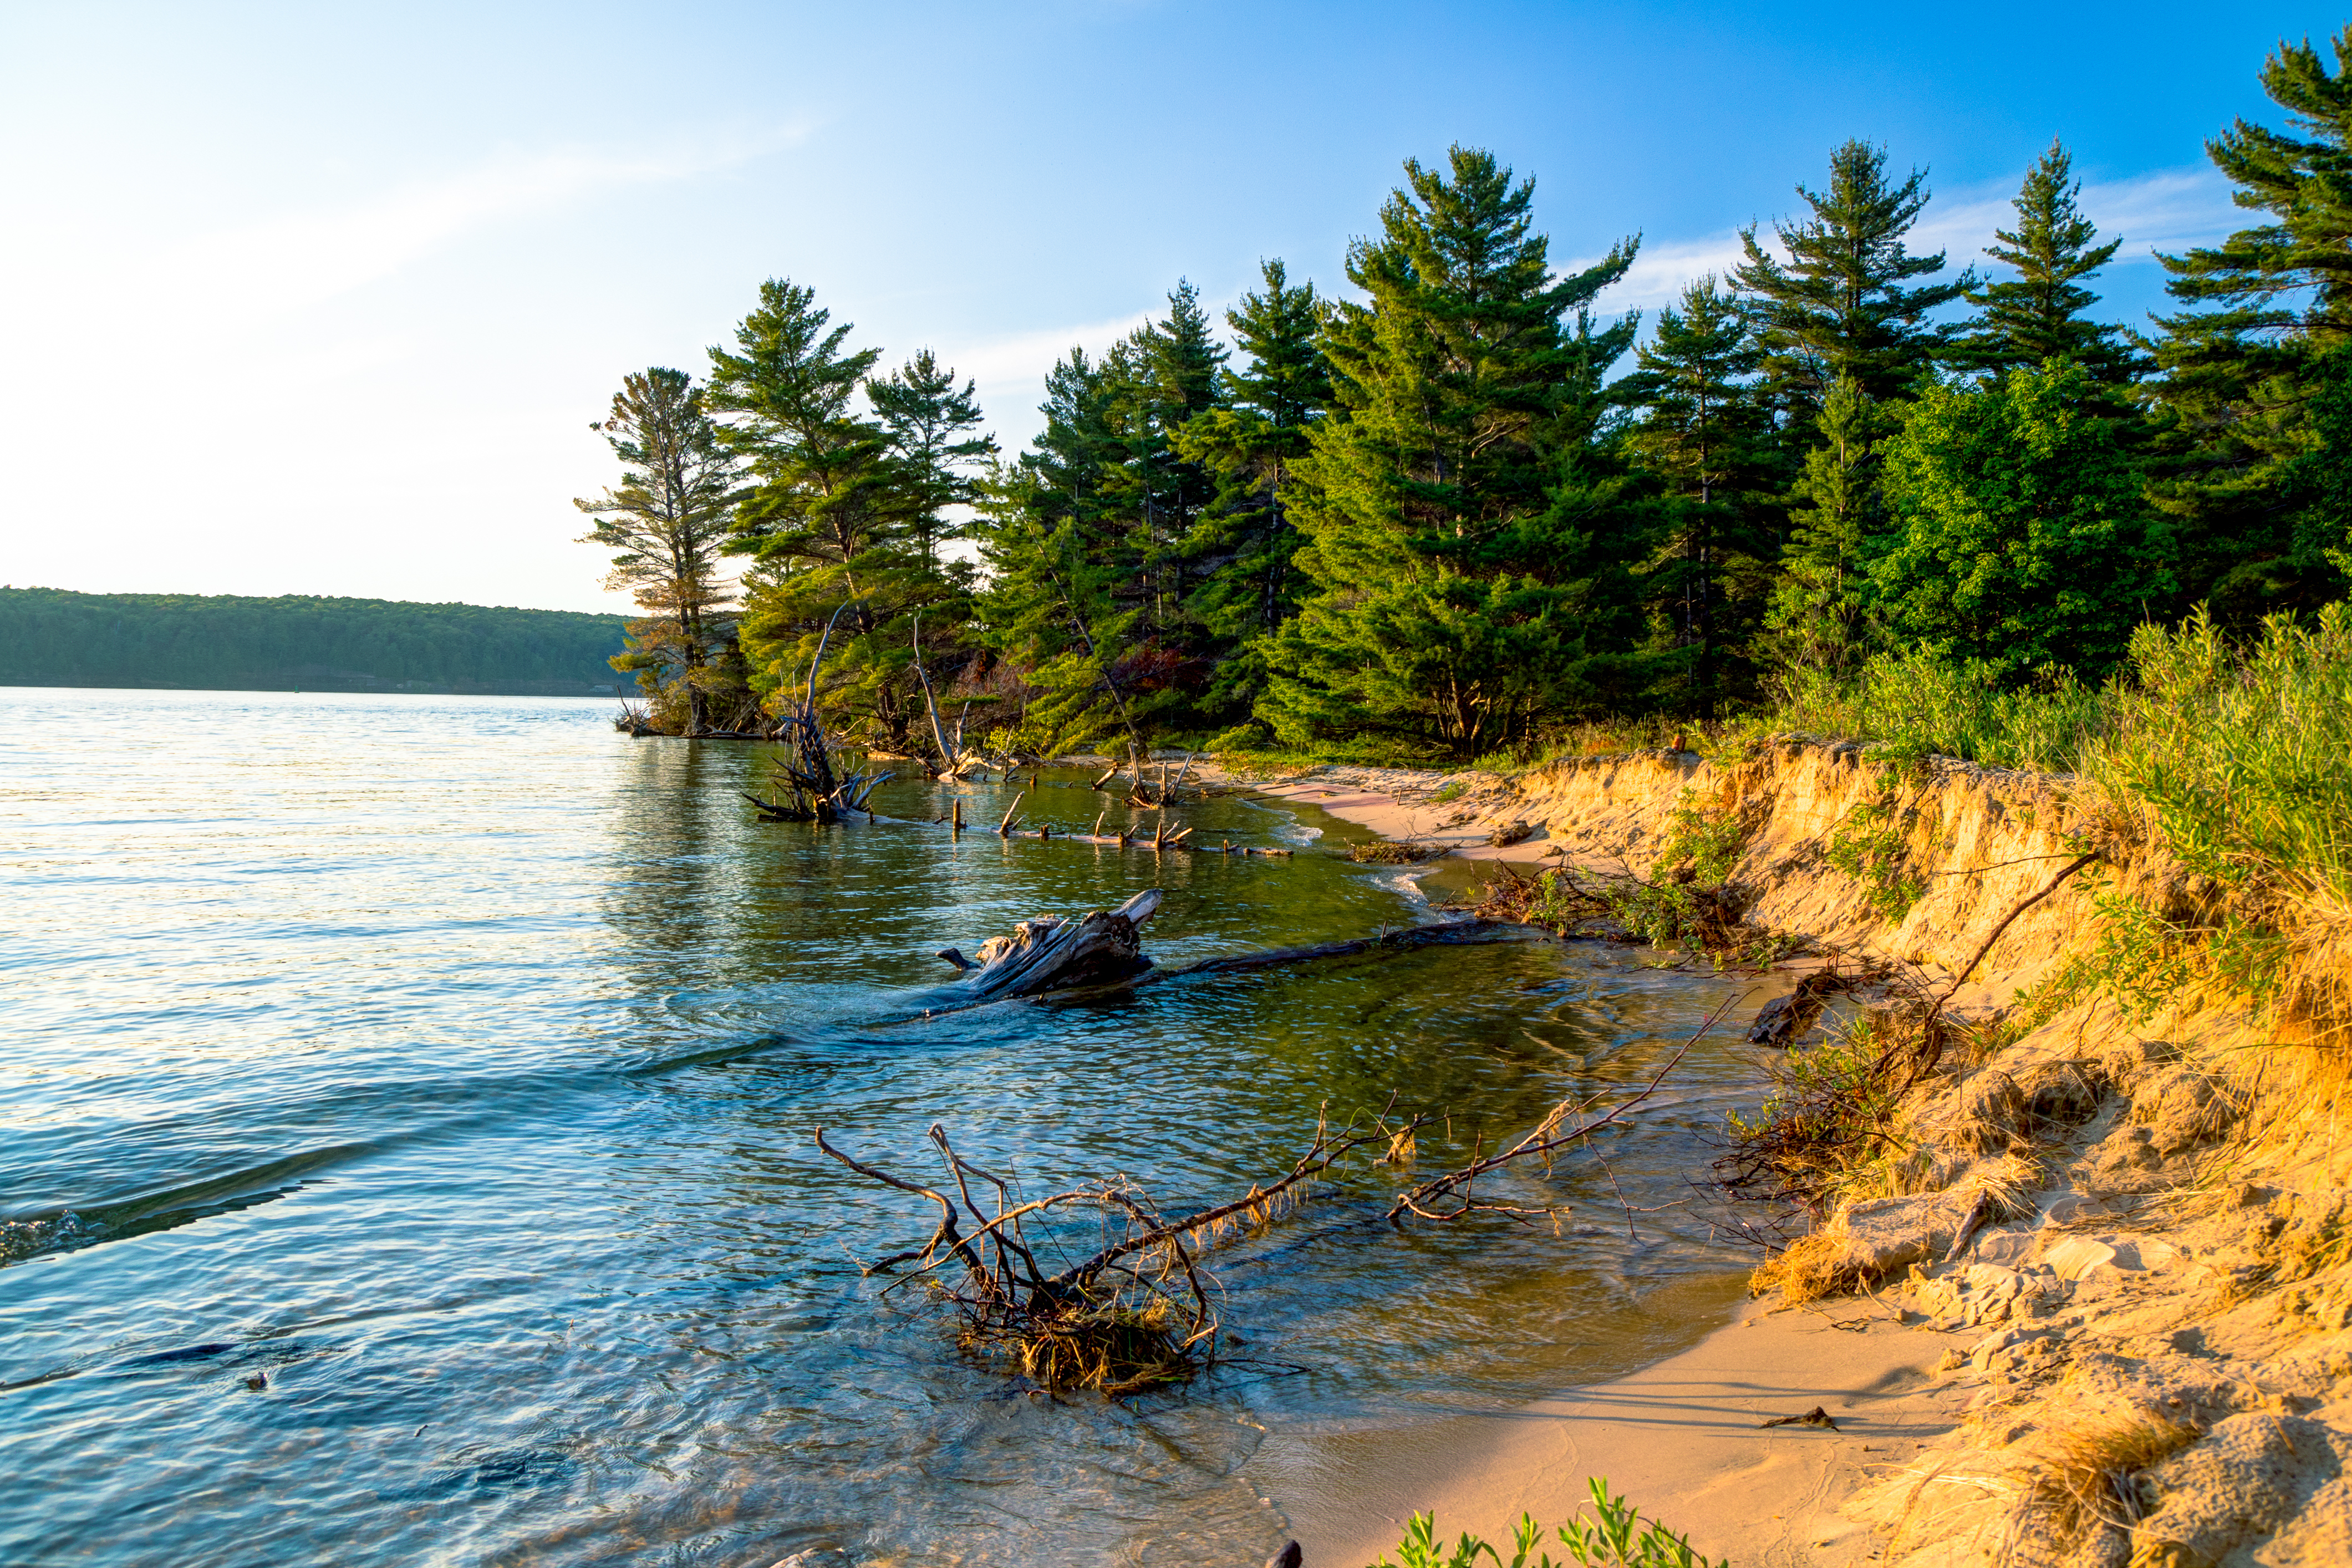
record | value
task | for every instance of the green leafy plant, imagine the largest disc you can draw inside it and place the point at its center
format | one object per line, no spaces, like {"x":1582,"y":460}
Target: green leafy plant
{"x":2145,"y":962}
{"x":1617,"y":1535}
{"x":1868,"y":847}
{"x":1833,"y":1106}
{"x":1452,"y":790}
{"x":1679,"y":901}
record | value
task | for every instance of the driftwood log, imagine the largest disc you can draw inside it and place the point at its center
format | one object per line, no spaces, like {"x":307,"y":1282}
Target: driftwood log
{"x":1048,"y":952}
{"x":1051,"y":954}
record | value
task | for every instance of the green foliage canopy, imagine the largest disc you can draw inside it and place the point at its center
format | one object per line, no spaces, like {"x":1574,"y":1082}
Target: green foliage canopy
{"x":1465,"y":525}
{"x":2019,"y":534}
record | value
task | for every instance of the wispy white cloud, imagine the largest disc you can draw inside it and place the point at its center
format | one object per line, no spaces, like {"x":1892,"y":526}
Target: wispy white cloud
{"x":2166,"y":210}
{"x":1027,"y":356}
{"x":1661,"y":272}
{"x":219,"y":282}
{"x":301,"y":258}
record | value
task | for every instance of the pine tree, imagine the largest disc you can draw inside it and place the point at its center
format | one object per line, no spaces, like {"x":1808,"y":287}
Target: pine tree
{"x":2244,"y":380}
{"x":1059,"y":532}
{"x":1704,"y":435}
{"x":1839,"y":304}
{"x":2039,"y":314}
{"x":1167,"y":376}
{"x":935,"y":439}
{"x":668,"y":520}
{"x":1053,"y":603}
{"x":1461,"y":520}
{"x":1816,"y":620}
{"x":842,"y":505}
{"x":1244,"y":540}
{"x":818,"y":504}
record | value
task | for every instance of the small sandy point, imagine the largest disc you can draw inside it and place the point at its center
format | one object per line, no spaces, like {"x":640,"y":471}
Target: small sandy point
{"x":1400,"y":803}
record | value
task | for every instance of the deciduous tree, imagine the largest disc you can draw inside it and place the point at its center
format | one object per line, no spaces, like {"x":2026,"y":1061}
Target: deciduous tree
{"x":2019,"y":534}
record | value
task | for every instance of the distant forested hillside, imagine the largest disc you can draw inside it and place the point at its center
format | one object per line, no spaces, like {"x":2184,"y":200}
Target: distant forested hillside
{"x":50,"y":638}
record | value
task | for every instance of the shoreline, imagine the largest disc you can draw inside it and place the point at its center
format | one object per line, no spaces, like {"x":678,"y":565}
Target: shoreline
{"x":2104,"y":1249}
{"x":1680,"y":1437}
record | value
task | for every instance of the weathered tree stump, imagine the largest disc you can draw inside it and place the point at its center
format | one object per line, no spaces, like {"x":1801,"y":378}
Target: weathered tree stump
{"x":1049,"y":953}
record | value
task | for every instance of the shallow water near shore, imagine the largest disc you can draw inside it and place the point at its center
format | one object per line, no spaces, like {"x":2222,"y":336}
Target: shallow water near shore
{"x":451,"y":1064}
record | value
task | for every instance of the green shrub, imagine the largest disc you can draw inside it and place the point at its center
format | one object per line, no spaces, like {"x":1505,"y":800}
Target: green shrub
{"x":1868,"y":847}
{"x":1699,"y":849}
{"x":1616,"y":1536}
{"x":1914,"y":705}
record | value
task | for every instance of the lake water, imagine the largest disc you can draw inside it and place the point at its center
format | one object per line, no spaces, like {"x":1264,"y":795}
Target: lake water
{"x":452,"y":1064}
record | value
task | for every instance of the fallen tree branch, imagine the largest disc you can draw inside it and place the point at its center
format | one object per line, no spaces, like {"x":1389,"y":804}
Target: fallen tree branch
{"x":1970,"y":967}
{"x":1547,"y":1136}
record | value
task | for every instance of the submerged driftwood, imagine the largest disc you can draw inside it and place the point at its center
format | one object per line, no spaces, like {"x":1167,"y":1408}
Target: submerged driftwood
{"x":1050,"y":954}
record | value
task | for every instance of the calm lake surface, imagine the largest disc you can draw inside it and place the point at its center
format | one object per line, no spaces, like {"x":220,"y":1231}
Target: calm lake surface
{"x":452,"y":1062}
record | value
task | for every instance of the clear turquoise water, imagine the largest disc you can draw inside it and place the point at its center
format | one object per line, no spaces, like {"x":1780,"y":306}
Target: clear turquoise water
{"x":452,"y":1062}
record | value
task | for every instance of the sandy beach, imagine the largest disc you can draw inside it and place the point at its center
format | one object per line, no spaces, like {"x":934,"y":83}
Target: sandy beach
{"x":1398,"y":804}
{"x":1681,"y":1439}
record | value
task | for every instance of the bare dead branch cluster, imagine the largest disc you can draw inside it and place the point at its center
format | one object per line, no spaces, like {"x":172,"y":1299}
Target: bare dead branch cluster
{"x":1139,"y":1309}
{"x":1134,"y":1313}
{"x":818,"y":793}
{"x":1572,"y":1122}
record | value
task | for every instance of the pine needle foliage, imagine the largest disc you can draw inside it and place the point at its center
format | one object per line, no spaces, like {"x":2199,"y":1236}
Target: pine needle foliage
{"x":1464,"y":529}
{"x":2253,"y":370}
{"x":1837,"y":300}
{"x":2039,"y":313}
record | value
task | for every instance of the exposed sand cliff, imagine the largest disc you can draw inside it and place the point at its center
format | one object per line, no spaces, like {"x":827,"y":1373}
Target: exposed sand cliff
{"x":2134,"y":1220}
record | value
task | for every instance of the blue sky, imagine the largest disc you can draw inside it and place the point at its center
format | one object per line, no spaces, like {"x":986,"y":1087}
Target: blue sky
{"x":310,"y":298}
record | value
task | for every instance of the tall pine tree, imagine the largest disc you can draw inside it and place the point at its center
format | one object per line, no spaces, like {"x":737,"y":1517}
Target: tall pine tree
{"x":1704,"y":435}
{"x":1816,"y":620}
{"x":935,"y":442}
{"x":842,"y":504}
{"x":1463,"y":531}
{"x":2039,"y":314}
{"x":2250,"y":371}
{"x":1838,"y":301}
{"x":1843,"y":332}
{"x":1243,"y":542}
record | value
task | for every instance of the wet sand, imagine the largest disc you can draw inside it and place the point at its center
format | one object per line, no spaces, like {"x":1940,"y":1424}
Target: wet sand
{"x":1681,"y":1439}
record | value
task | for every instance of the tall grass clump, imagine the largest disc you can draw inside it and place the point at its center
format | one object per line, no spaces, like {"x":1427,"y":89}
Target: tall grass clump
{"x":1917,"y":704}
{"x":2239,"y":757}
{"x":2244,"y":754}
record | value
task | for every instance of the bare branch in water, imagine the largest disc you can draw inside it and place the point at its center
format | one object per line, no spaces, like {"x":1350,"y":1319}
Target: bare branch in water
{"x":1138,"y":1311}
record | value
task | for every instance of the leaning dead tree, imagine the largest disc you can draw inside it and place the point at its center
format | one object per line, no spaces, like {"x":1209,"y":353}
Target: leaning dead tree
{"x":1103,"y":947}
{"x":955,"y":762}
{"x":817,"y":791}
{"x":1094,"y":1287}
